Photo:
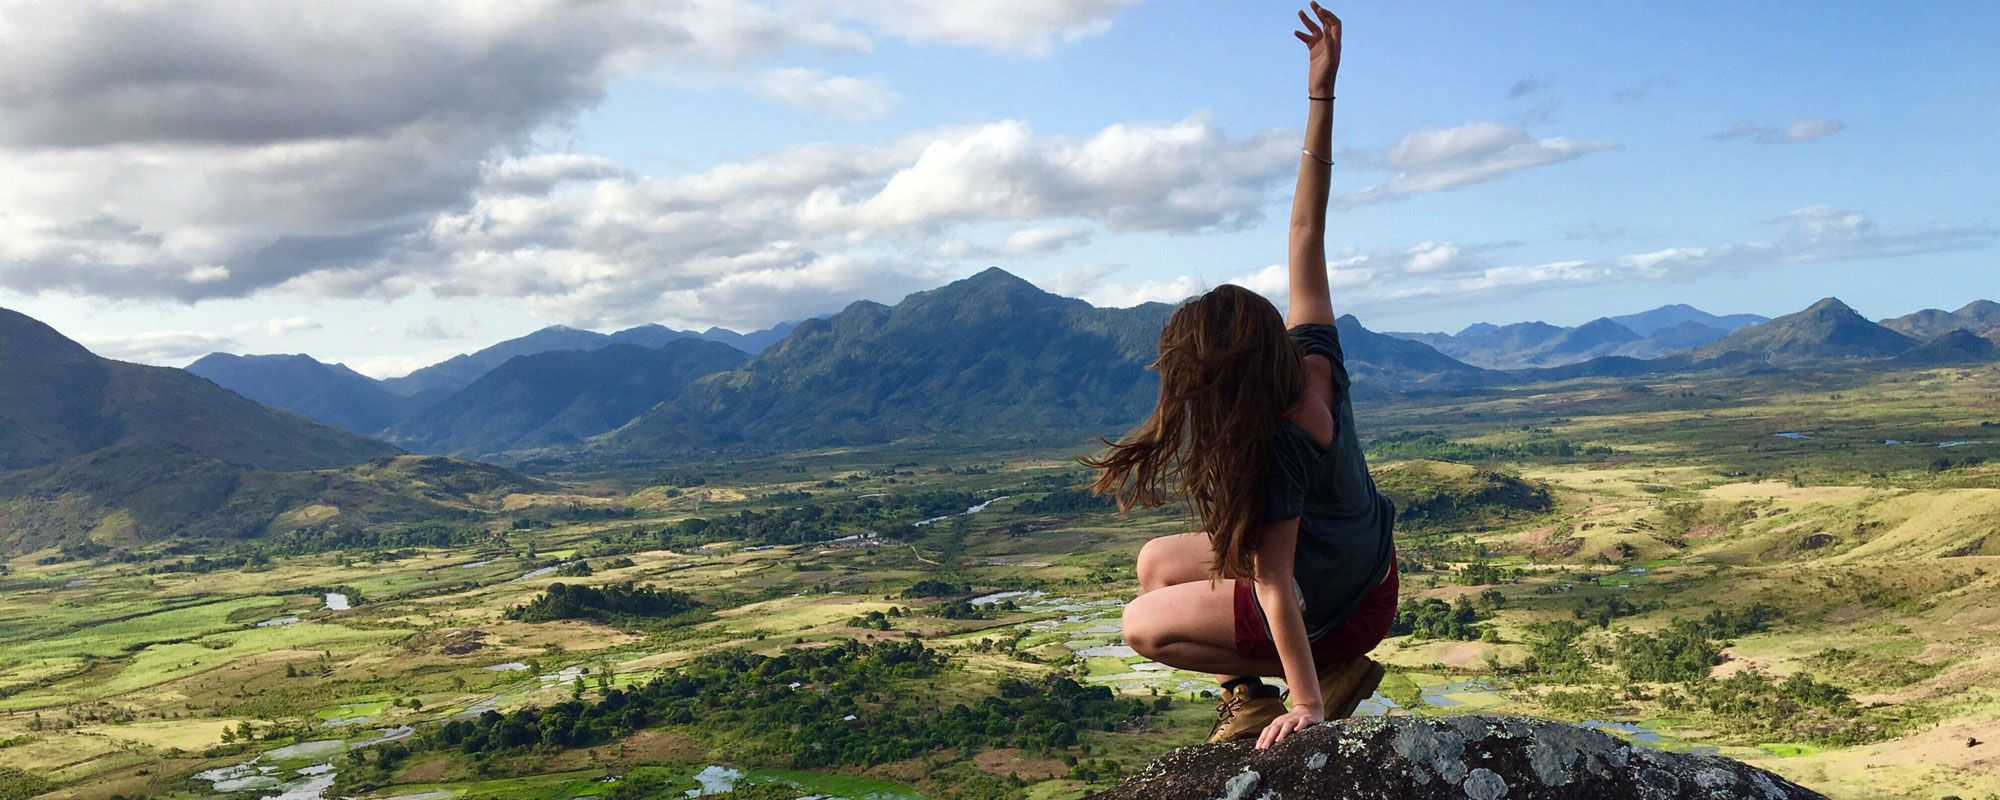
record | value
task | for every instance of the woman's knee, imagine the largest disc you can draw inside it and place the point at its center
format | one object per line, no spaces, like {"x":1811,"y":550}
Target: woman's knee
{"x":1144,"y":630}
{"x":1169,"y":560}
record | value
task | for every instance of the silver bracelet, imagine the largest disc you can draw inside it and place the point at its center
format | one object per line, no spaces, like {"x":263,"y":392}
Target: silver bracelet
{"x":1316,"y":156}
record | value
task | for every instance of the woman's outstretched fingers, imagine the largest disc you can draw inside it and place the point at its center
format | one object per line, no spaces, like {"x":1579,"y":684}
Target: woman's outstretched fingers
{"x":1326,"y":17}
{"x":1311,"y":26}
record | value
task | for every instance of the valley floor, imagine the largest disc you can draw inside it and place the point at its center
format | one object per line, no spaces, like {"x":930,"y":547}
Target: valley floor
{"x":1803,"y":573}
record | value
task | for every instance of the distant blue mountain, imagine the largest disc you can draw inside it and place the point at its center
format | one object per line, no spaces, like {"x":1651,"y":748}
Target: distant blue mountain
{"x":330,"y":393}
{"x":1647,"y":323}
{"x":435,"y":382}
{"x":1529,"y":345}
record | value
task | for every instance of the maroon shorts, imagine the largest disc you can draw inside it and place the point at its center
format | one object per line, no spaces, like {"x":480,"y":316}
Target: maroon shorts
{"x":1354,"y":636}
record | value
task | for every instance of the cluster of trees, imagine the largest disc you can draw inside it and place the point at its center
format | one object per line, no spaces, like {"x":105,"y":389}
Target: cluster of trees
{"x":1434,"y":445}
{"x":1066,"y":501}
{"x":964,"y":609}
{"x":1435,"y":619}
{"x":1600,"y":611}
{"x":616,"y":602}
{"x":380,"y":542}
{"x":932,"y":587}
{"x":1681,"y":657}
{"x":1798,"y":707}
{"x":891,"y":516}
{"x":850,"y":704}
{"x":1687,"y":649}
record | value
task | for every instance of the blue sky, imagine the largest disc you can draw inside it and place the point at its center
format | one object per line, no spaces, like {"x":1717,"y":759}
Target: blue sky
{"x":421,"y":188}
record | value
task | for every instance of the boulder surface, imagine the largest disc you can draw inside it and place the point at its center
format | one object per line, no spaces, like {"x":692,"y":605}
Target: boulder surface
{"x":1475,"y":757}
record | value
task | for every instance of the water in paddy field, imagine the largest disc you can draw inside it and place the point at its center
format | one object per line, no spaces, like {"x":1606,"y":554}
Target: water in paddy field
{"x":279,"y":774}
{"x":970,"y":511}
{"x":335,"y":601}
{"x":717,"y":779}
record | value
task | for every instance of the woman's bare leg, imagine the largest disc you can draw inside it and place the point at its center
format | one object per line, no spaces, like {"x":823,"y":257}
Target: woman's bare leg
{"x":1173,"y":560}
{"x":1192,"y":626}
{"x":1176,"y":559}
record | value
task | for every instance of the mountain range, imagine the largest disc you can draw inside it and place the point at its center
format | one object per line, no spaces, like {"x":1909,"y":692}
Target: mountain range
{"x":1648,"y":334}
{"x":118,"y":452}
{"x":93,"y":445}
{"x":561,"y":397}
{"x":991,"y":352}
{"x":60,"y":401}
{"x":428,"y":408}
{"x":438,"y":380}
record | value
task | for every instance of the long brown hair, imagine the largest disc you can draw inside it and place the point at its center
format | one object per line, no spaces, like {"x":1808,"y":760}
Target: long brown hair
{"x":1228,"y":375}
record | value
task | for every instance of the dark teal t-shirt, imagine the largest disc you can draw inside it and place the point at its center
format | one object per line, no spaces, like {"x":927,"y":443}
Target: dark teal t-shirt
{"x":1346,"y":527}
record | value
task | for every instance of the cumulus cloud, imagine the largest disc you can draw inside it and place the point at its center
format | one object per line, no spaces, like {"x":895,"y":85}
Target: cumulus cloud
{"x":1023,"y":26}
{"x":159,"y":347}
{"x":1450,"y":269}
{"x":1817,"y":234}
{"x":284,"y":326}
{"x":788,"y":233}
{"x":838,"y":96}
{"x":1024,"y":243}
{"x":1801,"y":130}
{"x":192,"y":150}
{"x":1447,"y":158}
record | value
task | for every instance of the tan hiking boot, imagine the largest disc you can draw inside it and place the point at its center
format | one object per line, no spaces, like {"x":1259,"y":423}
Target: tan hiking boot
{"x":1244,"y":711}
{"x":1343,"y":685}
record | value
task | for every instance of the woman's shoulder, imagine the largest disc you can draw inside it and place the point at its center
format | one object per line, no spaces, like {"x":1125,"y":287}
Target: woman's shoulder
{"x":1310,"y":420}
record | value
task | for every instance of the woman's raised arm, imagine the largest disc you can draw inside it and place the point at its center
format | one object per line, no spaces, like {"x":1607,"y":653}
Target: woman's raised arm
{"x":1311,"y":300}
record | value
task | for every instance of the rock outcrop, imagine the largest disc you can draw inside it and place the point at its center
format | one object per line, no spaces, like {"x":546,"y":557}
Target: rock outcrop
{"x":1462,"y":758}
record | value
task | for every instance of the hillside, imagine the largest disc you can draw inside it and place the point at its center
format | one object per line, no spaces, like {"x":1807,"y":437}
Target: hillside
{"x":135,"y":494}
{"x":60,"y":401}
{"x":1649,"y":323}
{"x":1441,"y":495}
{"x":330,"y":393}
{"x":1827,"y":330}
{"x":561,"y":397}
{"x":440,"y":380}
{"x":1957,"y":346}
{"x":1977,"y":316}
{"x":987,"y":355}
{"x":1525,"y":345}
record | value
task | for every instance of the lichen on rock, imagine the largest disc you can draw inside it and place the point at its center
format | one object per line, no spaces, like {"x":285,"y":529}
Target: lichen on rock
{"x":1471,"y":757}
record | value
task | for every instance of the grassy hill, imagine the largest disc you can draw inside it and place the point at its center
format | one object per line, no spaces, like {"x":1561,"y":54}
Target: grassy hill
{"x":1827,"y":330}
{"x":132,"y":495}
{"x":330,"y":393}
{"x":60,"y":401}
{"x":561,"y":397}
{"x":1441,"y":495}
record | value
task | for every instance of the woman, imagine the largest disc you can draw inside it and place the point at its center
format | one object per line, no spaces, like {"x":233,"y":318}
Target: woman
{"x":1294,"y":576}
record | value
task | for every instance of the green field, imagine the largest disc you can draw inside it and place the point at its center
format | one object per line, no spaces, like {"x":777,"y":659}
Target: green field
{"x":1589,"y":527}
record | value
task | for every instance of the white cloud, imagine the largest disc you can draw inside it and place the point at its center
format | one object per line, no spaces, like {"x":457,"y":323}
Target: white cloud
{"x":1446,"y":269}
{"x":838,"y":96}
{"x":191,"y":150}
{"x":1447,"y":158}
{"x":1817,"y":234}
{"x":393,"y":366}
{"x":285,"y":326}
{"x":159,"y":347}
{"x":1022,"y":26}
{"x":1023,"y":243}
{"x":1801,"y":130}
{"x":834,"y":221}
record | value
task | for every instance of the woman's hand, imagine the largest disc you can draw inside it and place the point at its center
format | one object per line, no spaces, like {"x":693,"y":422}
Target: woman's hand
{"x":1322,"y":38}
{"x":1298,"y":719}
